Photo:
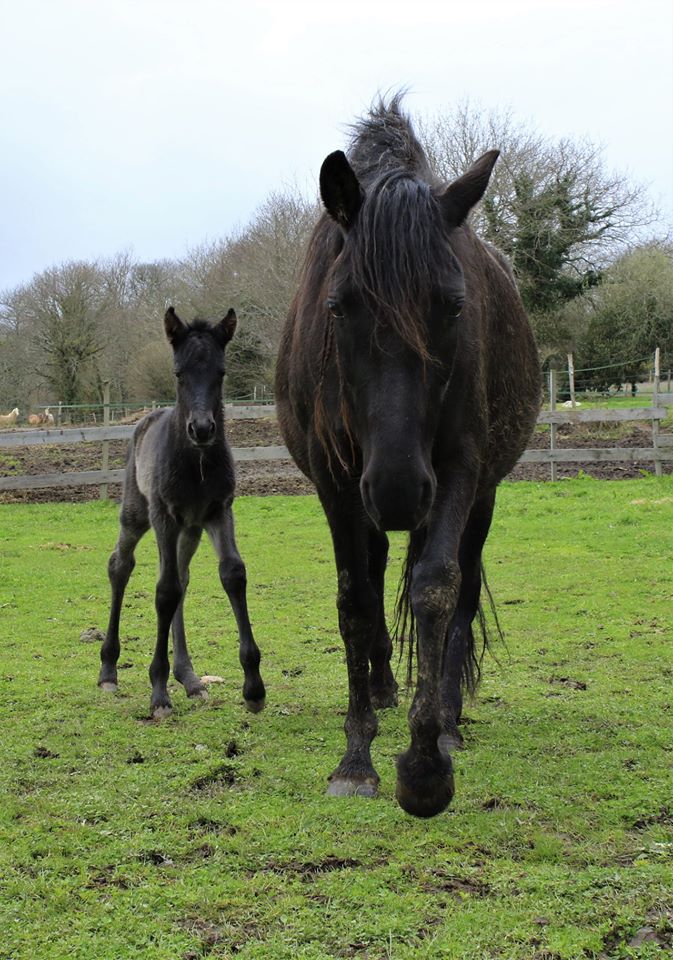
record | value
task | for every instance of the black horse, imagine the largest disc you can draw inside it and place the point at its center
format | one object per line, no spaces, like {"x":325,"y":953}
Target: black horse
{"x":180,"y":480}
{"x":407,"y":387}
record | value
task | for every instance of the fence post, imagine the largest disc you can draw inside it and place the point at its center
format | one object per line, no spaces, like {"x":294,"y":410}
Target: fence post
{"x":571,"y":379}
{"x":553,"y":426}
{"x":103,"y":489}
{"x":655,"y":423}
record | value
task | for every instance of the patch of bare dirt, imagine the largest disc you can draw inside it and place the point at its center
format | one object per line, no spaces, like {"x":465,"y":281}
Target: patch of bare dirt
{"x":263,"y":478}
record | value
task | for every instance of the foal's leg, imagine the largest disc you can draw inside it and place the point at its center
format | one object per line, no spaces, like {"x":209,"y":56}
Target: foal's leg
{"x":382,"y":683}
{"x":183,"y":671}
{"x":120,"y":566}
{"x":460,"y":646}
{"x":234,"y":581}
{"x":167,"y":600}
{"x":425,"y":783}
{"x":359,"y":611}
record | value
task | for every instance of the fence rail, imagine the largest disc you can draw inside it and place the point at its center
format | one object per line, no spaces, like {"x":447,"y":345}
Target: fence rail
{"x":660,"y":451}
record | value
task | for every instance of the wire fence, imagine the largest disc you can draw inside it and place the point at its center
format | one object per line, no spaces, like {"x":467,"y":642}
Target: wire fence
{"x":584,"y":384}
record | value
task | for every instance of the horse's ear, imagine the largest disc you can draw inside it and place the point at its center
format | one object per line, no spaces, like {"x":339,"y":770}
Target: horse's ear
{"x":340,"y":189}
{"x":461,"y":195}
{"x":174,"y":327}
{"x":224,"y":330}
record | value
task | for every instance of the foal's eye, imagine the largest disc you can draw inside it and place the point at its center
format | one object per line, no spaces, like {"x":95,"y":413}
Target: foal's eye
{"x":334,"y":308}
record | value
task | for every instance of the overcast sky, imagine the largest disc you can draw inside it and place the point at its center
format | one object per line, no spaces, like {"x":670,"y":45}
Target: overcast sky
{"x":153,"y":125}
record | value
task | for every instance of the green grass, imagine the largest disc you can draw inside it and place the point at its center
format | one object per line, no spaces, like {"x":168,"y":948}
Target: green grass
{"x":209,"y":834}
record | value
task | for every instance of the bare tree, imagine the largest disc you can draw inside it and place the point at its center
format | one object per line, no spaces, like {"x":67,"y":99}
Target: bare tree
{"x":552,"y":206}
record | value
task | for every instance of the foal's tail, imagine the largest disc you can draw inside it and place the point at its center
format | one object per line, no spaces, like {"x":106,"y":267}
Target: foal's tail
{"x":404,"y":628}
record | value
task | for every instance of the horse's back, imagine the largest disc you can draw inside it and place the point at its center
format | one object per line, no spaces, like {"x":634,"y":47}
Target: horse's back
{"x":511,"y":363}
{"x":292,"y":410}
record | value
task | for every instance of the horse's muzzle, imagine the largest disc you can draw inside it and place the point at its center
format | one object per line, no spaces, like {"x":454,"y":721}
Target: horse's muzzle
{"x":397,"y":501}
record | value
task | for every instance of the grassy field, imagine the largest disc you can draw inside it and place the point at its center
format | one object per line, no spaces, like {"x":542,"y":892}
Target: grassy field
{"x":209,"y":834}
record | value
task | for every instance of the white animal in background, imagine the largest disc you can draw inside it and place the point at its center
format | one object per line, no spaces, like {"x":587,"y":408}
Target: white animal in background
{"x":569,"y":403}
{"x":48,"y":417}
{"x":9,"y":419}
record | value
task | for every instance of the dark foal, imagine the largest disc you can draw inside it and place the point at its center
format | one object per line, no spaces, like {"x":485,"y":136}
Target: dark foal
{"x":407,"y":387}
{"x":180,"y":481}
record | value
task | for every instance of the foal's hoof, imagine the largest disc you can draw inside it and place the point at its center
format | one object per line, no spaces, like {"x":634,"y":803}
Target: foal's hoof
{"x":425,"y":785}
{"x":198,"y":693}
{"x":352,"y":787}
{"x":254,"y":706}
{"x":108,"y":686}
{"x":162,"y":711}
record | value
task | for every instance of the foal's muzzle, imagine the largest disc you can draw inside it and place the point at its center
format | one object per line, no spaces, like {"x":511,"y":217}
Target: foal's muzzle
{"x":201,"y":430}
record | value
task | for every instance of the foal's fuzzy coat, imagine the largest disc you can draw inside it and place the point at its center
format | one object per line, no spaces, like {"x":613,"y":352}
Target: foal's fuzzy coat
{"x":180,"y":481}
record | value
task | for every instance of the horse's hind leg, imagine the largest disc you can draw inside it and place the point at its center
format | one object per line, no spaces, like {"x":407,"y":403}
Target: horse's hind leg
{"x":234,"y":581}
{"x":382,"y":683}
{"x":460,"y":659}
{"x":120,"y":566}
{"x":183,"y":671}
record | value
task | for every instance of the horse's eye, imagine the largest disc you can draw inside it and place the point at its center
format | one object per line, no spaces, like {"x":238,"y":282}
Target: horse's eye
{"x":334,"y":308}
{"x":456,"y":308}
{"x":178,"y":375}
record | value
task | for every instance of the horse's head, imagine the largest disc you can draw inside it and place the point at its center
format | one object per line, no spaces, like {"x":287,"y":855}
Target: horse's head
{"x":198,"y":351}
{"x":395,"y":295}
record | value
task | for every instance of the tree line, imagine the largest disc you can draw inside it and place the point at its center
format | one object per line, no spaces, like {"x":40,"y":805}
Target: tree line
{"x":593,"y":266}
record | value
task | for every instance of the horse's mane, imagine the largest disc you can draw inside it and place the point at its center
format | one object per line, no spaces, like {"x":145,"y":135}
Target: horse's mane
{"x":383,"y":141}
{"x":396,"y":253}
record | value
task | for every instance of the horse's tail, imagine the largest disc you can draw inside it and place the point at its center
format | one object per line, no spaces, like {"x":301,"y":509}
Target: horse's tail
{"x":405,"y":632}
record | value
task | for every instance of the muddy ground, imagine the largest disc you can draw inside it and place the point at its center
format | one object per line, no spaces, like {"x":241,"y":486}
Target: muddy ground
{"x":282,"y":476}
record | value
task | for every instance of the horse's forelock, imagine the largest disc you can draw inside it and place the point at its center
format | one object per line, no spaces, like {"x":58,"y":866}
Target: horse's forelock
{"x":397,"y":254}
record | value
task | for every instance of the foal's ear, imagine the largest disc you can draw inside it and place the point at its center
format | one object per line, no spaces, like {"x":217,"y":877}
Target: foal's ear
{"x":340,"y":189}
{"x":224,"y":330}
{"x":174,"y":327}
{"x":461,"y":195}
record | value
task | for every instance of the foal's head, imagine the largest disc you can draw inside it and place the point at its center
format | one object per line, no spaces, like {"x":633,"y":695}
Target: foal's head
{"x":395,"y":294}
{"x":198,"y":351}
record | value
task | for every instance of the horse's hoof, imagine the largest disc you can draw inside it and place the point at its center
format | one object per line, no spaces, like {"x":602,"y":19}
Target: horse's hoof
{"x":254,"y":706}
{"x":197,"y":693}
{"x":349,"y":787}
{"x":425,"y":785}
{"x":449,"y":742}
{"x":108,"y":686}
{"x":161,"y":712}
{"x":383,"y":699}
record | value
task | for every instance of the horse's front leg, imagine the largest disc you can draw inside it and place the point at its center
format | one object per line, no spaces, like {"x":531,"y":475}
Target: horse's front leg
{"x":167,"y":599}
{"x":382,"y":683}
{"x":425,"y":782}
{"x":358,"y":607}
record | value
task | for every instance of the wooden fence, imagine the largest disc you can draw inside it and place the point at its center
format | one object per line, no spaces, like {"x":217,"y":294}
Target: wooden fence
{"x":660,"y":451}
